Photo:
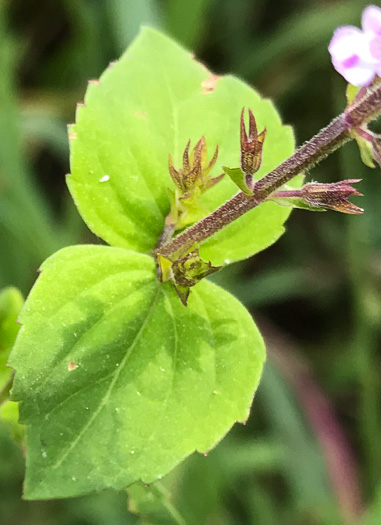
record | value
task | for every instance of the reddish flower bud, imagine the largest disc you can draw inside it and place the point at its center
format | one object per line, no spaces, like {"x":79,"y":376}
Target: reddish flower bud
{"x":251,"y":145}
{"x":196,"y":168}
{"x":332,"y":196}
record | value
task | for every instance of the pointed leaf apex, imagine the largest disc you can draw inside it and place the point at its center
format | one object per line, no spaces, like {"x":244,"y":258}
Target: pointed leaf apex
{"x":182,"y":292}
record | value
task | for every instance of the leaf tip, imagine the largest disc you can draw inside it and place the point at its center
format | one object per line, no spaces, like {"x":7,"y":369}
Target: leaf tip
{"x":182,"y":292}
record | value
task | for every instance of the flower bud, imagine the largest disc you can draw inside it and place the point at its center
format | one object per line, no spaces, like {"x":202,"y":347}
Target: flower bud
{"x":332,"y":196}
{"x":195,"y":170}
{"x":185,"y":272}
{"x":251,"y":145}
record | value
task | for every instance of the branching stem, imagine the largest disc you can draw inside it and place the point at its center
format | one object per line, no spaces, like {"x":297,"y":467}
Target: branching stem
{"x":337,"y":133}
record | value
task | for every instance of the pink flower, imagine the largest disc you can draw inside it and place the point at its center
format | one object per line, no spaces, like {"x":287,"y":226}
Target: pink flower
{"x":356,"y":53}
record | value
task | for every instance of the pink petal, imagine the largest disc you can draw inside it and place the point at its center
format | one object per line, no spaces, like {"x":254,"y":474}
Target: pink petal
{"x":345,"y":42}
{"x":349,"y":41}
{"x":371,"y":19}
{"x":375,"y":47}
{"x":350,"y":50}
{"x":359,"y":76}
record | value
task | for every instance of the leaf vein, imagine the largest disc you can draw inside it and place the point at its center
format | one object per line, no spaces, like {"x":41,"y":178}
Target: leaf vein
{"x":112,"y":384}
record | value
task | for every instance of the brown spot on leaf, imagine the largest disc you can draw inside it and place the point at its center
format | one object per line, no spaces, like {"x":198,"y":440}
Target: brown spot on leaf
{"x":72,"y":136}
{"x":95,"y":82}
{"x":209,"y":85}
{"x":140,"y":115}
{"x":71,"y":366}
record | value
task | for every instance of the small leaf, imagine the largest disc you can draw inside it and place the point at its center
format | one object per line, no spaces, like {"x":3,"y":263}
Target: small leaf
{"x":238,"y":177}
{"x":351,"y":93}
{"x":366,"y":150}
{"x":11,"y":302}
{"x":116,"y":380}
{"x":165,"y":266}
{"x":183,"y":292}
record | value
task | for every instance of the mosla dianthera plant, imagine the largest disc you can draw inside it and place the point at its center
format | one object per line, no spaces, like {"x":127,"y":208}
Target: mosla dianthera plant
{"x":128,"y":359}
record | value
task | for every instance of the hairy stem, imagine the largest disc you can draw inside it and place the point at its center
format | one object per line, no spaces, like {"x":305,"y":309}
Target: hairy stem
{"x":325,"y":142}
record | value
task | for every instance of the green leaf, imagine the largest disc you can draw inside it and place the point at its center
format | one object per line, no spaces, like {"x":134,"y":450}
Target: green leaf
{"x":366,"y":150}
{"x":351,"y":93}
{"x":11,"y":302}
{"x":238,"y":177}
{"x":146,"y":106}
{"x":117,"y":380}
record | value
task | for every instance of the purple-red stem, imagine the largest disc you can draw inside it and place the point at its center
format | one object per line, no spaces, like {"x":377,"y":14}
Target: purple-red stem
{"x":321,"y":145}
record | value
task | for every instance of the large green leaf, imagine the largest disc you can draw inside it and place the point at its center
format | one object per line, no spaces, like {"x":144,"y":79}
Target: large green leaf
{"x":147,"y":105}
{"x":116,"y":380}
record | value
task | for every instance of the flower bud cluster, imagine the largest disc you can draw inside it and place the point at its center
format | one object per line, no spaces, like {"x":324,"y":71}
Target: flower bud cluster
{"x":191,"y":181}
{"x":195,"y":171}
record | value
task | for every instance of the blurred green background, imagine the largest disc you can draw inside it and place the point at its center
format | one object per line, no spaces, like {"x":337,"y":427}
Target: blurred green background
{"x":310,"y":452}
